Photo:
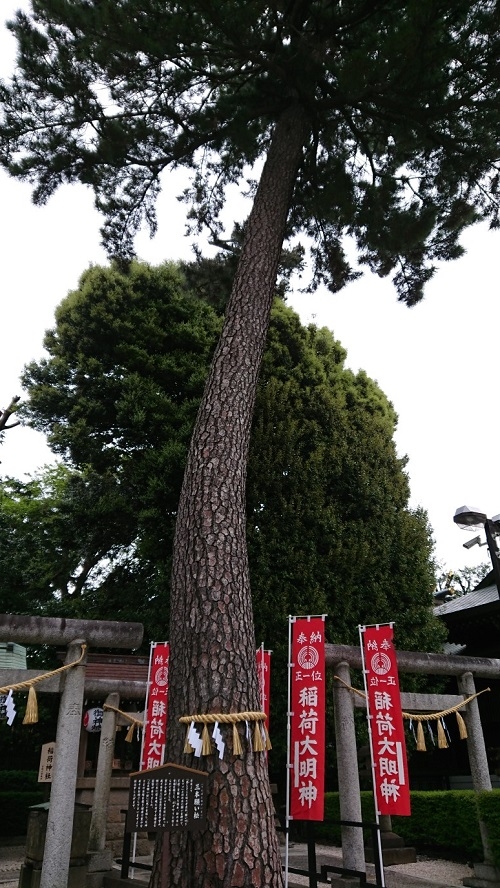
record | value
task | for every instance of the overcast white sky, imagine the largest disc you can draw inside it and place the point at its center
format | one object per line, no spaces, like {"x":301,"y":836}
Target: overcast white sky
{"x":436,"y":362}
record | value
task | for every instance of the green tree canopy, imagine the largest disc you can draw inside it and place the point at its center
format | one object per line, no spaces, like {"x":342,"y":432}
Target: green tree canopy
{"x":329,"y":525}
{"x":328,"y":522}
{"x":400,"y":103}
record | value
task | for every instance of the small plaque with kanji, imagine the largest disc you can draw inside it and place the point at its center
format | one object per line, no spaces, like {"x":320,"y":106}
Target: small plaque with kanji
{"x":166,"y":798}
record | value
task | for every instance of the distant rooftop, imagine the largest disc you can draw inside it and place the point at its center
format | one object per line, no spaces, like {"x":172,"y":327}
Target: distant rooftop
{"x":473,"y":620}
{"x":477,"y":598}
{"x":12,"y":656}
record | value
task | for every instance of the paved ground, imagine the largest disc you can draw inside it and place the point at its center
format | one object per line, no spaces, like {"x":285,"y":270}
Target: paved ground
{"x":436,"y":873}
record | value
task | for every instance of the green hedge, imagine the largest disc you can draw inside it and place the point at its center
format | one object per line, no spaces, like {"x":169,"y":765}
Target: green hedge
{"x":444,"y":821}
{"x":489,"y":809}
{"x":18,"y":791}
{"x":23,"y":781}
{"x":15,"y":807}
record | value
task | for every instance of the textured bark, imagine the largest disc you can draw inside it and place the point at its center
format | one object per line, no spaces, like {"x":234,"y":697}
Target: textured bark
{"x":212,"y":662}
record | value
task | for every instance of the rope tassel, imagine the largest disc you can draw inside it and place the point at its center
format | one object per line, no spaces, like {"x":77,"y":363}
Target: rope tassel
{"x":442,"y":741}
{"x":258,"y":743}
{"x":130,"y":732}
{"x":237,"y":747}
{"x":188,"y":749}
{"x":462,"y":728}
{"x":31,"y":715}
{"x":421,"y":747}
{"x":435,"y":716}
{"x":206,"y":743}
{"x":268,"y":743}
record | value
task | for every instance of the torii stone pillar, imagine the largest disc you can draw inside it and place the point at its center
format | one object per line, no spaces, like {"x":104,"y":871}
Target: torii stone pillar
{"x":52,"y":630}
{"x":484,"y":873}
{"x":353,"y":852}
{"x":97,"y":840}
{"x":56,"y":856}
{"x":464,"y":668}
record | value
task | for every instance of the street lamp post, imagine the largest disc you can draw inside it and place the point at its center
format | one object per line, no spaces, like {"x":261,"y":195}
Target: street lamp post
{"x":470,"y":519}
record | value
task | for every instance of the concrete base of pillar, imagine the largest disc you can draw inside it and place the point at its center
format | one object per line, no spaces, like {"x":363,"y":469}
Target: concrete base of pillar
{"x":115,"y":881}
{"x":29,"y":877}
{"x":394,"y":850}
{"x":100,"y":861}
{"x":393,"y":856}
{"x":485,"y":876}
{"x":99,"y":865}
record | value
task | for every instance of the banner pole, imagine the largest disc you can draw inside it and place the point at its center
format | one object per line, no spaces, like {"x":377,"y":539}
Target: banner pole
{"x":141,"y":754}
{"x":372,"y":759}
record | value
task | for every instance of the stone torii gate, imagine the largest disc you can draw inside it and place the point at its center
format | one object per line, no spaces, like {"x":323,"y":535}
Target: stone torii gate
{"x":72,"y":685}
{"x":341,"y":658}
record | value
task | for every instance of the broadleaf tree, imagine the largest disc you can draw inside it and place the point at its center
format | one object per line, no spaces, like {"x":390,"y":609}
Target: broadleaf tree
{"x":375,"y":120}
{"x":327,"y":496}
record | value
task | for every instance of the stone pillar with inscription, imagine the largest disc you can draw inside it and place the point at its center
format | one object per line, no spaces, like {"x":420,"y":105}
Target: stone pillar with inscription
{"x":486,"y":875}
{"x":57,"y":852}
{"x":353,"y":854}
{"x":101,"y":859}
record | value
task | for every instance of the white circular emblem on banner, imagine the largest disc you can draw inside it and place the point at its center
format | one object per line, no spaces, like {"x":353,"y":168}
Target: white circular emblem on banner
{"x":381,"y":663}
{"x":161,"y":677}
{"x":308,"y":657}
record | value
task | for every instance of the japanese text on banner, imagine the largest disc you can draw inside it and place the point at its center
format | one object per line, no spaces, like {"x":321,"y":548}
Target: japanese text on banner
{"x":264,"y":677}
{"x":390,"y":769}
{"x":307,"y":719}
{"x":155,"y":714}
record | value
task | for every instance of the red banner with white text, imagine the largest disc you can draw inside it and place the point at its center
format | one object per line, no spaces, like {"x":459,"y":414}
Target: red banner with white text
{"x":307,"y":718}
{"x":388,"y":746}
{"x":264,"y":677}
{"x":155,"y":712}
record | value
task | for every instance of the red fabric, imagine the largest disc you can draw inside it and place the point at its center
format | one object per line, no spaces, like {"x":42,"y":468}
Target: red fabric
{"x":307,"y":719}
{"x":155,"y":713}
{"x":264,"y":677}
{"x":390,"y":769}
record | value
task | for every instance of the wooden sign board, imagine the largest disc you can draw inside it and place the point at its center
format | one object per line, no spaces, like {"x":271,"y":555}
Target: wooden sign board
{"x":166,"y":798}
{"x":46,"y":763}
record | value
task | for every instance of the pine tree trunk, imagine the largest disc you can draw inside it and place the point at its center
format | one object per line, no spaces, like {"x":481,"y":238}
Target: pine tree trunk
{"x":212,"y":661}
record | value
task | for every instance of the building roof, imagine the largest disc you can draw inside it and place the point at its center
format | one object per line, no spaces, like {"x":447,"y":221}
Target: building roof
{"x":477,"y":598}
{"x":115,"y":667}
{"x":473,"y":620}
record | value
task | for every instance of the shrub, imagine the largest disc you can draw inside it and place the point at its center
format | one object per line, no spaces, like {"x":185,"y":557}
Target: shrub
{"x":444,"y":821}
{"x":24,"y":781}
{"x":489,"y":810}
{"x":15,"y":807}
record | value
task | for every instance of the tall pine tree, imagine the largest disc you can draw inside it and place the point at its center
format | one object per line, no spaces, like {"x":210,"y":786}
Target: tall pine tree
{"x":375,"y":119}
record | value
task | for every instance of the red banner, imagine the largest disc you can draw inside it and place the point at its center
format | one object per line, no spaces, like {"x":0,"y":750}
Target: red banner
{"x":388,"y":747}
{"x":307,"y":719}
{"x":155,"y":712}
{"x":264,"y":677}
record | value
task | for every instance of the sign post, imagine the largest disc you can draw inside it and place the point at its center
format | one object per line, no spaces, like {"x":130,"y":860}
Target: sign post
{"x":168,"y":797}
{"x":162,"y":799}
{"x":46,"y":762}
